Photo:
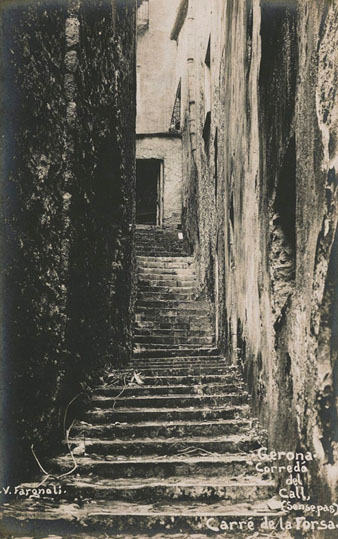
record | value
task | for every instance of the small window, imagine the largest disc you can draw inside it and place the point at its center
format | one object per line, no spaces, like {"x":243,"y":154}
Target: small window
{"x":207,"y":80}
{"x":175,"y":123}
{"x":207,"y":98}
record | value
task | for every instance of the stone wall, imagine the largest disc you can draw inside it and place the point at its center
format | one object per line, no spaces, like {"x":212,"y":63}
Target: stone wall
{"x":268,"y":166}
{"x":168,"y":149}
{"x":69,"y":182}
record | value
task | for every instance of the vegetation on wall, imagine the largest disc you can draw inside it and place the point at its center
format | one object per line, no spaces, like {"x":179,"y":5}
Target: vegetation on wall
{"x":68,"y":191}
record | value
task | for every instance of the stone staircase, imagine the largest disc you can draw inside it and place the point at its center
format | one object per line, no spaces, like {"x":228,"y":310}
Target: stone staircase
{"x":168,"y":446}
{"x":171,"y":318}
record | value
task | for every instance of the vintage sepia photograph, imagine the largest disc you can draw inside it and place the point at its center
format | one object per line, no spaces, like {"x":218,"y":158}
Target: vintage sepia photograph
{"x":169,"y":269}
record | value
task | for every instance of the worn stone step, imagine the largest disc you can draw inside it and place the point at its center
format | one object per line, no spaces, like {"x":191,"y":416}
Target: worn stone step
{"x":169,"y":401}
{"x":167,"y":348}
{"x":164,"y":242}
{"x":160,"y":240}
{"x":156,"y":325}
{"x":179,"y":293}
{"x":131,"y":517}
{"x":165,"y":259}
{"x":201,"y":488}
{"x":169,"y":315}
{"x":178,"y":271}
{"x":176,"y":286}
{"x":172,"y":304}
{"x":195,"y":327}
{"x":165,"y":292}
{"x":158,"y":328}
{"x":184,"y":365}
{"x":170,"y":281}
{"x":187,"y":335}
{"x":173,"y":331}
{"x":182,"y":371}
{"x":185,"y":378}
{"x":160,"y":467}
{"x":192,"y":316}
{"x":194,"y":379}
{"x":99,"y":415}
{"x":154,"y":297}
{"x":165,"y":265}
{"x":154,"y":340}
{"x":164,"y":390}
{"x":154,"y":251}
{"x":162,"y":428}
{"x":165,"y":353}
{"x":160,"y":332}
{"x":167,"y":278}
{"x":183,"y":361}
{"x":169,"y":446}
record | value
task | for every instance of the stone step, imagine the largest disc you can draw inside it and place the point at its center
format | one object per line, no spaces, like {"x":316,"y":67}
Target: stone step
{"x":155,"y":251}
{"x":165,"y":262}
{"x":194,"y":379}
{"x":156,"y":325}
{"x":190,"y":359}
{"x":157,"y":350}
{"x":201,"y":488}
{"x":151,"y":290}
{"x":130,"y":517}
{"x":198,"y":306}
{"x":166,"y":390}
{"x":99,"y":415}
{"x":155,"y":296}
{"x":160,"y":467}
{"x":165,"y":369}
{"x":172,"y":332}
{"x":167,"y":278}
{"x":191,"y":377}
{"x":167,"y":285}
{"x":164,"y":266}
{"x":168,"y":315}
{"x":170,"y":280}
{"x":167,"y":352}
{"x":165,"y":259}
{"x":161,"y":429}
{"x":168,"y":446}
{"x":164,"y":272}
{"x":160,"y":239}
{"x":173,"y":339}
{"x":170,"y":401}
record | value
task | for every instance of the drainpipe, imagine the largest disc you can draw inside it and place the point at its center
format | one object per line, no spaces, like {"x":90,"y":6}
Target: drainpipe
{"x":191,"y":76}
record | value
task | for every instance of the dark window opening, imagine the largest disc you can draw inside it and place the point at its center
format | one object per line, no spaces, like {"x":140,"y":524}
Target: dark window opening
{"x":175,"y":123}
{"x":148,"y":191}
{"x":206,"y":131}
{"x":207,"y":55}
{"x":216,"y":163}
{"x":232,"y":217}
{"x":285,"y":201}
{"x":207,"y":98}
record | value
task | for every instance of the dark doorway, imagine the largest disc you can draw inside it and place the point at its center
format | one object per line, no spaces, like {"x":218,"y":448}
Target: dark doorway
{"x":149,"y":191}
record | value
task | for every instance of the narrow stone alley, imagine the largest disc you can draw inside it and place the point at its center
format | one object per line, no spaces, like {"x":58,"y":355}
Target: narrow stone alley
{"x":169,"y":282}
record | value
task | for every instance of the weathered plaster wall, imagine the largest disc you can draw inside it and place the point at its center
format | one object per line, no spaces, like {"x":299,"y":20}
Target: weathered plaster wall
{"x":155,"y":69}
{"x":69,"y":181}
{"x":169,"y":149}
{"x":270,"y":170}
